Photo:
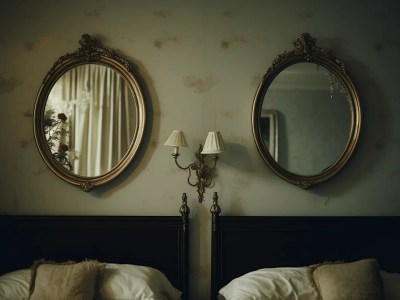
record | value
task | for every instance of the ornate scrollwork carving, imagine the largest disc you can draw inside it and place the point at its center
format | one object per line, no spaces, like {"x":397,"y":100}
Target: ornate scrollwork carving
{"x":305,"y":48}
{"x":304,"y":184}
{"x":306,"y":51}
{"x":89,"y":52}
{"x":87,"y":186}
{"x":305,"y":44}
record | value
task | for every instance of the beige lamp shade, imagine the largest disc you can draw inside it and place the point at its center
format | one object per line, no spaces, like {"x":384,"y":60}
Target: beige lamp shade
{"x":214,"y":143}
{"x":176,"y":139}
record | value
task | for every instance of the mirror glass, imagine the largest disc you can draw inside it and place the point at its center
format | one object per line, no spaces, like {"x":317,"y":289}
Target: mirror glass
{"x":312,"y":116}
{"x":90,"y":119}
{"x":306,"y":115}
{"x":90,"y":115}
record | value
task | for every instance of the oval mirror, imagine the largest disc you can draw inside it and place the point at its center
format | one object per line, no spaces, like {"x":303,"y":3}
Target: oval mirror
{"x":89,"y":116}
{"x":306,"y":114}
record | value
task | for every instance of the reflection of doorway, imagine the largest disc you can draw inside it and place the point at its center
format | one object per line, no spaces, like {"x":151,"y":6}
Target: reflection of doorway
{"x":269,"y":131}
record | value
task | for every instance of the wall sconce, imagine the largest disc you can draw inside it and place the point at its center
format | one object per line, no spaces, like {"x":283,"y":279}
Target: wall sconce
{"x":213,"y":145}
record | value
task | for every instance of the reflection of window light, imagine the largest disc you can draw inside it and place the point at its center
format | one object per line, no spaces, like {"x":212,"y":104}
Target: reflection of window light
{"x":56,"y":102}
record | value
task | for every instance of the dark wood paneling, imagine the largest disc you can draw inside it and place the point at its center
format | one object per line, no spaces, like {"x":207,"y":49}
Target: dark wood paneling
{"x":244,"y":244}
{"x":159,"y":242}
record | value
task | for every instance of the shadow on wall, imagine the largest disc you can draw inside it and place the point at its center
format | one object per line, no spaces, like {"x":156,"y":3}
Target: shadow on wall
{"x":238,"y":157}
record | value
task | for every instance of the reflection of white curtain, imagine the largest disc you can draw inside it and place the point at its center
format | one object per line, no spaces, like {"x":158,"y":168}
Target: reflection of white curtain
{"x":102,"y":113}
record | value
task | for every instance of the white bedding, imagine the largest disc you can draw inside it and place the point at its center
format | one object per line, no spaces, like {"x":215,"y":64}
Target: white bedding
{"x":15,"y":285}
{"x":290,"y":284}
{"x":117,"y":282}
{"x":272,"y":284}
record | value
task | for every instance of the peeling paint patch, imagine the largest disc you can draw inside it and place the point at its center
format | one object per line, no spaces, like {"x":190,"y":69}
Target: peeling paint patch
{"x":28,"y":46}
{"x":162,"y":14}
{"x":92,"y":13}
{"x":160,"y":42}
{"x":24,"y":144}
{"x":199,"y":85}
{"x":227,"y":43}
{"x":8,"y":85}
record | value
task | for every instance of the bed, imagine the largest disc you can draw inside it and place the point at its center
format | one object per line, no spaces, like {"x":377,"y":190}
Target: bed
{"x":159,"y":242}
{"x":243,"y":244}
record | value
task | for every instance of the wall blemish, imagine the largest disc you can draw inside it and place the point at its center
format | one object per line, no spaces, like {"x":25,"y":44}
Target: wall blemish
{"x":379,"y":145}
{"x":256,"y":80}
{"x":28,"y":46}
{"x":153,"y":144}
{"x":160,"y":42}
{"x":227,"y":43}
{"x":27,"y":114}
{"x":162,"y":14}
{"x":227,"y":14}
{"x":378,"y":46}
{"x":304,"y":15}
{"x":228,"y":114}
{"x":24,"y":144}
{"x":92,"y":13}
{"x":8,"y":85}
{"x":40,"y":171}
{"x":199,"y":85}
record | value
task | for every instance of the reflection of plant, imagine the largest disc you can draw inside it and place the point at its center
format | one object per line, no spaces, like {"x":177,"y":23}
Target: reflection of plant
{"x":56,"y":132}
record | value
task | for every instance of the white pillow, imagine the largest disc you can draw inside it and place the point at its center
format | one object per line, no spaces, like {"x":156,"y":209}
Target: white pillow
{"x":272,"y":284}
{"x":15,"y":285}
{"x":391,"y":285}
{"x":117,"y":282}
{"x":131,"y":282}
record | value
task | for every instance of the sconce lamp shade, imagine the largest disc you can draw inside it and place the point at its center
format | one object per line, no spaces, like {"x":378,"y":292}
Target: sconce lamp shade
{"x":214,"y":143}
{"x":176,"y":139}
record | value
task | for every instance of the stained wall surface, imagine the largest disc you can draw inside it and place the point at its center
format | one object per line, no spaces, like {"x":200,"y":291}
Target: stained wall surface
{"x":202,"y":61}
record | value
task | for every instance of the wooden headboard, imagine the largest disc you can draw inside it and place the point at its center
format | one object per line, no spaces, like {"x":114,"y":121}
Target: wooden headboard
{"x":244,"y":244}
{"x":157,"y":241}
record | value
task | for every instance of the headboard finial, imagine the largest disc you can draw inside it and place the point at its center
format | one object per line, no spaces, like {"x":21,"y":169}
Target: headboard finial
{"x":184,"y":209}
{"x":215,"y":209}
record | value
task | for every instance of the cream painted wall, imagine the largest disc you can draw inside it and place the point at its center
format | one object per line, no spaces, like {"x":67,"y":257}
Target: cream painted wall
{"x":202,"y":61}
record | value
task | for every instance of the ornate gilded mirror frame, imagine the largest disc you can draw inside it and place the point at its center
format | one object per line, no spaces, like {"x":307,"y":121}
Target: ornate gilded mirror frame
{"x":89,"y":52}
{"x":305,"y":50}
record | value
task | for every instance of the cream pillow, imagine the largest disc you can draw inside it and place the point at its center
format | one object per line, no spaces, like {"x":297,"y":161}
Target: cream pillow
{"x":343,"y":281}
{"x":64,"y":281}
{"x":391,"y":285}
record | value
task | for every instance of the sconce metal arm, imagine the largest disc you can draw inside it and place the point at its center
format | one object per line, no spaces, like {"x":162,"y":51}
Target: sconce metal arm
{"x":203,"y":176}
